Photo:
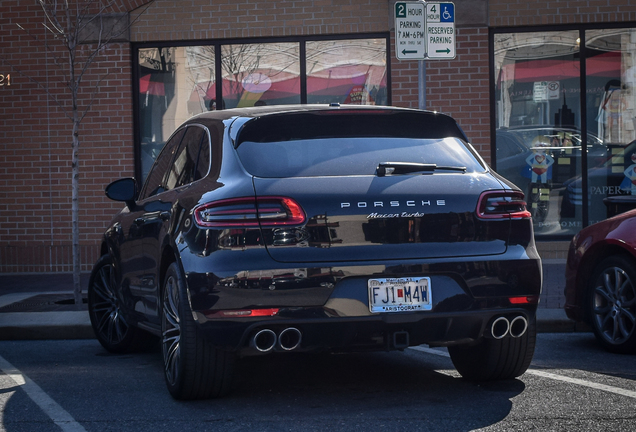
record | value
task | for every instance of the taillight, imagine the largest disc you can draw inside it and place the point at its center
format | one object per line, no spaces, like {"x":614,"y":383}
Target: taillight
{"x":524,"y":300}
{"x":502,"y":205}
{"x":242,"y":313}
{"x":250,"y":212}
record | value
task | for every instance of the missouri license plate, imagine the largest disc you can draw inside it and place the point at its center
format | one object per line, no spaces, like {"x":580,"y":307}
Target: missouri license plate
{"x":400,"y":294}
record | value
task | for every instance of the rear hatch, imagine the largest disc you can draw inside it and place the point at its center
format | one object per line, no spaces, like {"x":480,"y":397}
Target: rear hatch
{"x":384,"y":218}
{"x":393,"y":186}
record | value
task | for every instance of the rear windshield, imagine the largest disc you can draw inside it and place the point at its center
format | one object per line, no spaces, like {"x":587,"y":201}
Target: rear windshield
{"x":346,"y":143}
{"x":349,"y":156}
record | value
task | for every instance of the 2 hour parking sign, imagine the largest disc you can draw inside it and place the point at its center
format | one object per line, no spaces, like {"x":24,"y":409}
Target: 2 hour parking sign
{"x":424,"y":30}
{"x":410,"y":30}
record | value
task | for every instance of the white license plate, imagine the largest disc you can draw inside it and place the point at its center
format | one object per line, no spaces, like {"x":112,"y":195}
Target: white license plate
{"x":400,"y":294}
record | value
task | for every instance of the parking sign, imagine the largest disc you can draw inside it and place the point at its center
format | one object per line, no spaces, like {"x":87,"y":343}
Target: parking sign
{"x":440,"y":30}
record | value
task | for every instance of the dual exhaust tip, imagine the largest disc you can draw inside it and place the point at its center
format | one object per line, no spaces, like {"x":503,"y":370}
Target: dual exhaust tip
{"x":287,"y":340}
{"x":502,"y":327}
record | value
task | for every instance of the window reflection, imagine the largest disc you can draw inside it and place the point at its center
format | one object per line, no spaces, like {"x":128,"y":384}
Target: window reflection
{"x":538,"y":121}
{"x":610,"y":94}
{"x":175,"y":83}
{"x":260,"y":74}
{"x":347,"y":71}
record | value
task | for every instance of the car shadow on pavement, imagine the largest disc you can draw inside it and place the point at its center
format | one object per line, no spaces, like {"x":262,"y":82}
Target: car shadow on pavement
{"x":374,"y":388}
{"x":397,"y":391}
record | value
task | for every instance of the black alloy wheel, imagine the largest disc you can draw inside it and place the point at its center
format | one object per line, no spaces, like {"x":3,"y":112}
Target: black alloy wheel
{"x":193,"y":368}
{"x":612,"y":304}
{"x":171,"y":331}
{"x":104,"y":308}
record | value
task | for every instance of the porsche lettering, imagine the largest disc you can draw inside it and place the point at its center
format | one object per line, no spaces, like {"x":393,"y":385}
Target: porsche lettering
{"x":382,"y":204}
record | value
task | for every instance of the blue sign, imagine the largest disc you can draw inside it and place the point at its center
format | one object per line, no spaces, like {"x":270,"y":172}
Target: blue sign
{"x":447,"y":12}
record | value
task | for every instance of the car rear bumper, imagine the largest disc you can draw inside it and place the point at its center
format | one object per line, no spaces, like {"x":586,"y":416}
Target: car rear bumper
{"x":386,"y":331}
{"x":329,"y":305}
{"x":456,"y":283}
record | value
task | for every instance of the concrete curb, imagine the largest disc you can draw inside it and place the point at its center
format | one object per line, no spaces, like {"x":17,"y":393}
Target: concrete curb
{"x":45,"y":325}
{"x":66,"y":324}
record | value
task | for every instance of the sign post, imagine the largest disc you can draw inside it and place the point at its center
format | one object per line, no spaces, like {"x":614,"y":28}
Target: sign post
{"x":424,"y":31}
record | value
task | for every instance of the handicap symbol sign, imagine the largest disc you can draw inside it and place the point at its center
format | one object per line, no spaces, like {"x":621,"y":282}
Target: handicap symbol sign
{"x":447,"y":12}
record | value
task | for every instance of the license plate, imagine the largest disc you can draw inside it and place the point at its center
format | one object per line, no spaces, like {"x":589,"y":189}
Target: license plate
{"x":400,"y":294}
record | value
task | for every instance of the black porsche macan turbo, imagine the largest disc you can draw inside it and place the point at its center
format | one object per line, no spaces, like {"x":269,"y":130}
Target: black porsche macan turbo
{"x":317,"y":228}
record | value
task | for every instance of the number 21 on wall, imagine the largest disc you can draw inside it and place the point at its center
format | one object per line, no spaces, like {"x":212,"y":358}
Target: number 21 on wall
{"x":5,"y":80}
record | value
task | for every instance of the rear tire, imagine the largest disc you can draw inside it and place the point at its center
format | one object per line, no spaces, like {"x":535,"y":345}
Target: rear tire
{"x":496,"y":359}
{"x":193,"y":368}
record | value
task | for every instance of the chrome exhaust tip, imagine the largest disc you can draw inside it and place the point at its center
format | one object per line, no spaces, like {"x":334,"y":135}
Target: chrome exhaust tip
{"x":289,"y":339}
{"x":500,"y":328}
{"x":518,"y":326}
{"x":264,"y":340}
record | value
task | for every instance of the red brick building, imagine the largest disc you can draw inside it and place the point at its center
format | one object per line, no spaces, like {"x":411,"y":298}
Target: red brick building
{"x":518,"y":78}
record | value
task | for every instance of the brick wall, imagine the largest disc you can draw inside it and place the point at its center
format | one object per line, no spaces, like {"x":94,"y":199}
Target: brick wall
{"x":528,"y":13}
{"x":203,"y":19}
{"x":35,"y":137}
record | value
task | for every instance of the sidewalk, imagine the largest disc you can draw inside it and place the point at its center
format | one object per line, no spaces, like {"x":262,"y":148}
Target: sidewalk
{"x":40,"y":306}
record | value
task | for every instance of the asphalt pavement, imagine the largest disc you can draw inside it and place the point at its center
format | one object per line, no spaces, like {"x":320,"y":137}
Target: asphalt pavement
{"x":40,"y":306}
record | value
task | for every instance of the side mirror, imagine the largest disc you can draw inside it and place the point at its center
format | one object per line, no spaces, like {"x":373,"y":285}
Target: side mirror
{"x":123,"y":190}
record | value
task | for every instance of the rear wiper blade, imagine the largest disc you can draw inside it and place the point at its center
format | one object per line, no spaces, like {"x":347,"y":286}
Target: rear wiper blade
{"x":392,"y":168}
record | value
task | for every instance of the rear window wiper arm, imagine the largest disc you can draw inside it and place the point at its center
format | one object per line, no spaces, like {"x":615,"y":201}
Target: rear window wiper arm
{"x":392,"y":168}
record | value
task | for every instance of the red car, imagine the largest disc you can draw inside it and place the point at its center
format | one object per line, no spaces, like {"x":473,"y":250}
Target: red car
{"x":600,"y":281}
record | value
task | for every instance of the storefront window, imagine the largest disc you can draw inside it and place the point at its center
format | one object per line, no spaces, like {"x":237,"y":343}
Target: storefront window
{"x":610,"y":79}
{"x":347,"y":71}
{"x":260,"y":74}
{"x":538,"y":120}
{"x":176,"y":83}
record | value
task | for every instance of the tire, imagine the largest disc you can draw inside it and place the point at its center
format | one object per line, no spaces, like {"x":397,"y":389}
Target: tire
{"x":611,"y":304}
{"x":193,"y":368}
{"x":109,"y":323}
{"x":496,"y":359}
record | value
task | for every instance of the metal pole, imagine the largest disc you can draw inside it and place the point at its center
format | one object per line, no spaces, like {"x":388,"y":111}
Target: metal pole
{"x":421,"y":73}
